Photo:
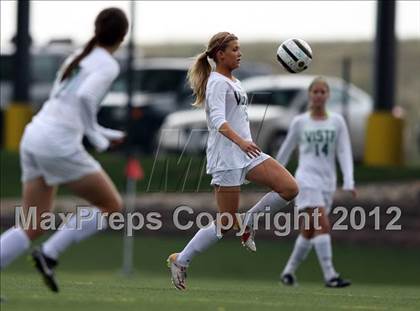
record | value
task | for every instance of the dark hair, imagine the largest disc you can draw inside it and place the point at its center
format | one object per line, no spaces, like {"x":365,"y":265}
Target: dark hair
{"x":111,"y":25}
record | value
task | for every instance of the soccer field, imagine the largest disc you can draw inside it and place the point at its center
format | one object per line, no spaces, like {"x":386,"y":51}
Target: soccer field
{"x":225,"y":278}
{"x":107,"y":291}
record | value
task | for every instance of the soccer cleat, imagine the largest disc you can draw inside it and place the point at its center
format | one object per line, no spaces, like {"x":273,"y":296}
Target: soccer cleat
{"x":178,"y":272}
{"x":288,"y":279}
{"x":247,"y":240}
{"x":45,"y":266}
{"x":337,"y":282}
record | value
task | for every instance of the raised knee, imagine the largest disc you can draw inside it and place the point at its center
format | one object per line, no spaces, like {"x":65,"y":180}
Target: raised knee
{"x":293,"y":191}
{"x":115,"y":205}
{"x":119,"y":203}
{"x":288,"y":192}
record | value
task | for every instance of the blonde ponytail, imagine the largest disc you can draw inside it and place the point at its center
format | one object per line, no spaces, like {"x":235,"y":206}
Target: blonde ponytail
{"x":198,"y":76}
{"x":199,"y":73}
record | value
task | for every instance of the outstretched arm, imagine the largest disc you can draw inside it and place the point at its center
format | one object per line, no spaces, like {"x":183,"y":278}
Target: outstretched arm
{"x":345,"y":155}
{"x":289,"y":144}
{"x":91,"y":93}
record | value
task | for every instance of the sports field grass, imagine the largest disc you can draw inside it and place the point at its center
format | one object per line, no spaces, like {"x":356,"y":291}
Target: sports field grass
{"x":224,"y":278}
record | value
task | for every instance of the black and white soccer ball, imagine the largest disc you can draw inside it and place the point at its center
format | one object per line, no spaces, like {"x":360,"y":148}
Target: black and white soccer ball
{"x":294,"y":55}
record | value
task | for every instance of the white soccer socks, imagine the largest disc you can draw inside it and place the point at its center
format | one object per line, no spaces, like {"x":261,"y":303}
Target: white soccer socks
{"x":76,"y":230}
{"x":300,"y":252}
{"x":322,"y":244}
{"x":13,"y":243}
{"x":202,"y":240}
{"x":272,"y":200}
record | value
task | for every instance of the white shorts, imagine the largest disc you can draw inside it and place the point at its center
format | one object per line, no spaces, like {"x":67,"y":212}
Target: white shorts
{"x":57,"y":169}
{"x":312,"y":198}
{"x":236,"y":177}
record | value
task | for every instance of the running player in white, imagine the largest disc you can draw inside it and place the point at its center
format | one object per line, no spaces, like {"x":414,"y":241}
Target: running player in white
{"x":232,"y":156}
{"x":321,"y":136}
{"x":52,"y":154}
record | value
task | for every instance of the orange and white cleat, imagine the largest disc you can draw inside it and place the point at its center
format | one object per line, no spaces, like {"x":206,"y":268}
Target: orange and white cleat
{"x":178,"y":272}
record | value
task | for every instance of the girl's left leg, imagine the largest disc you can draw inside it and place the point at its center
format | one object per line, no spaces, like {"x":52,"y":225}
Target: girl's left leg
{"x":97,"y":189}
{"x":100,"y":192}
{"x":322,"y":245}
{"x":273,"y":175}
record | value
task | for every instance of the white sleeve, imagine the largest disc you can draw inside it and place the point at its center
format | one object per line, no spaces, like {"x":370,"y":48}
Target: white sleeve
{"x":110,"y":134}
{"x":344,"y":154}
{"x":92,"y":132}
{"x":91,"y":93}
{"x":290,"y":143}
{"x":216,"y":103}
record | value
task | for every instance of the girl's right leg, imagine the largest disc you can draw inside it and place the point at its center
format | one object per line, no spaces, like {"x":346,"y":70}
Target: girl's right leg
{"x":15,"y":241}
{"x":228,"y":202}
{"x":97,"y":189}
{"x":301,"y":249}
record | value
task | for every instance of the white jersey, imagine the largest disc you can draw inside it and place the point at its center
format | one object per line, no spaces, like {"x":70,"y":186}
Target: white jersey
{"x":70,"y":112}
{"x":226,"y":101}
{"x":319,"y":142}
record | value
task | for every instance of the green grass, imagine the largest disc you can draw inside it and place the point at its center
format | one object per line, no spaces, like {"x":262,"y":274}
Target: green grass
{"x":169,"y":174}
{"x":101,"y":291}
{"x":226,"y":277}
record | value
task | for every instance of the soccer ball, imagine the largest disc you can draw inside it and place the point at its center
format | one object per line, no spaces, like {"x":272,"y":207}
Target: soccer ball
{"x":294,"y":55}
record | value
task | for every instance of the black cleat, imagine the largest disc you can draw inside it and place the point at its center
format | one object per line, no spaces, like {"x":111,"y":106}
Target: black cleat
{"x":288,"y":279}
{"x":45,"y":266}
{"x":337,"y":282}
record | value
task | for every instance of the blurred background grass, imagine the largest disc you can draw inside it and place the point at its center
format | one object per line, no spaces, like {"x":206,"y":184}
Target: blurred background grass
{"x":114,"y":163}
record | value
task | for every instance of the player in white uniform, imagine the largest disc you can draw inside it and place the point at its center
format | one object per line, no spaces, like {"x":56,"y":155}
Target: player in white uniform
{"x":52,"y":154}
{"x":232,"y":156}
{"x":321,"y":136}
